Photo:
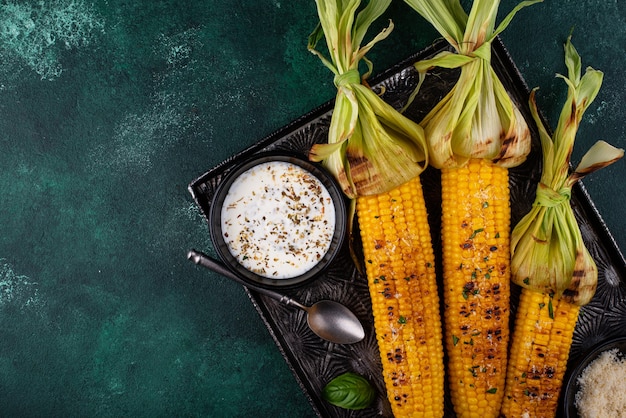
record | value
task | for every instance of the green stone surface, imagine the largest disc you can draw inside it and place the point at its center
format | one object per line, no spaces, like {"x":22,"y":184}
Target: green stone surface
{"x":109,"y":108}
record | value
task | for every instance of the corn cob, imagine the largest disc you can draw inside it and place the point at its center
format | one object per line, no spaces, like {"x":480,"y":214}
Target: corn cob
{"x":475,"y":237}
{"x":377,"y":155}
{"x":401,"y":277}
{"x":542,"y":337}
{"x":474,"y":134}
{"x":549,"y":258}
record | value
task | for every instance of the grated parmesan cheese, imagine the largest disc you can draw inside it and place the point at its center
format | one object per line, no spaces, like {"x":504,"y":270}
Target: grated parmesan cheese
{"x":278,"y":220}
{"x":602,"y":392}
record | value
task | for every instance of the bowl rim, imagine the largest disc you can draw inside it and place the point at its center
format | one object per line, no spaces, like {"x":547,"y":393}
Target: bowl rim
{"x":571,"y":380}
{"x":315,"y":169}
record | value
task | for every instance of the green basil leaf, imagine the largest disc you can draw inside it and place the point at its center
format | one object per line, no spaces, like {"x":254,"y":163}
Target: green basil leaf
{"x":349,"y":391}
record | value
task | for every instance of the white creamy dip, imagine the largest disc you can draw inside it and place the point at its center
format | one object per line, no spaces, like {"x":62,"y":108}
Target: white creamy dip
{"x":278,"y":220}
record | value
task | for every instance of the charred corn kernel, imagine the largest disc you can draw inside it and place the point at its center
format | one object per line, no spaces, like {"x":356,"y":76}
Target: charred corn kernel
{"x":540,"y":345}
{"x":476,"y":269}
{"x":400,"y":268}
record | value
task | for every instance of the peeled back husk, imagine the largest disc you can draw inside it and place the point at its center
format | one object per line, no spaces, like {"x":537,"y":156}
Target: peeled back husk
{"x":477,"y":118}
{"x":382,"y":151}
{"x":372,"y":148}
{"x":548,"y":251}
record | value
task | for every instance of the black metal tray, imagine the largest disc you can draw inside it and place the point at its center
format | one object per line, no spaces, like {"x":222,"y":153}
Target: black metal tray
{"x":314,"y":361}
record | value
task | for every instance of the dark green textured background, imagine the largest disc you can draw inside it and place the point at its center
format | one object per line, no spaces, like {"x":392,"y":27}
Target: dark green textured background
{"x":109,"y":108}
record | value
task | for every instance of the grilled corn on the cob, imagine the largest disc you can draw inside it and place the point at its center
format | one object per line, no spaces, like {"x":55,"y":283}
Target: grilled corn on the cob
{"x":399,"y":262}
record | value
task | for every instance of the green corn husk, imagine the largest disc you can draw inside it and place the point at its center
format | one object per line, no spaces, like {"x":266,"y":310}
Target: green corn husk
{"x":477,"y":118}
{"x":548,"y":252}
{"x":372,"y":148}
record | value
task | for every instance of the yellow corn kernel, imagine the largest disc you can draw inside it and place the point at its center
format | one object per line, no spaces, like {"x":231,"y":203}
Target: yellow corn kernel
{"x":400,"y":268}
{"x":540,"y":345}
{"x":476,"y":274}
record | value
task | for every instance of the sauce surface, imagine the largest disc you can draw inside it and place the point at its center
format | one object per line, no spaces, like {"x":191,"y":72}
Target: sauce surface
{"x":278,"y":220}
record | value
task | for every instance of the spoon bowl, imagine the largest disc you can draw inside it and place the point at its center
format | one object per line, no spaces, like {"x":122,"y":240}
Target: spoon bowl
{"x":328,"y":319}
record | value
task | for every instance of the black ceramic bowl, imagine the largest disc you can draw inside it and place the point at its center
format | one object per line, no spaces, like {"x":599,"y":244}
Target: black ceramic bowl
{"x":571,"y":384}
{"x":269,"y":211}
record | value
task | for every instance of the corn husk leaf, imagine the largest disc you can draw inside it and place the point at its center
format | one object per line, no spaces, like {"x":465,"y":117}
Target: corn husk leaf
{"x":371,"y":147}
{"x":548,"y":252}
{"x":477,"y":118}
{"x":600,"y":155}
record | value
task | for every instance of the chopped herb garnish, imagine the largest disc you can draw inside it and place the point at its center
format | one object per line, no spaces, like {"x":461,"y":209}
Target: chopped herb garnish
{"x":550,"y":308}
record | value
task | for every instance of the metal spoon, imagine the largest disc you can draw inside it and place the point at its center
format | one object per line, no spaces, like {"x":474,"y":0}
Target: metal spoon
{"x":330,"y":320}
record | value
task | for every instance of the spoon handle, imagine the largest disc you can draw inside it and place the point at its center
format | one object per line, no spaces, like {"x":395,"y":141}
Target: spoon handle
{"x":212,"y":264}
